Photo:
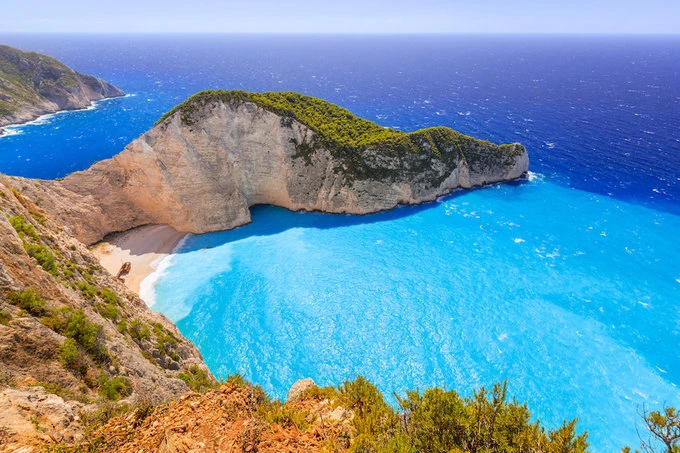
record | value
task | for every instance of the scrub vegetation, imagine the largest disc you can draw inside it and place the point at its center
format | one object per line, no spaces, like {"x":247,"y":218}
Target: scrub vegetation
{"x":347,"y":136}
{"x":26,"y":76}
{"x":352,"y":417}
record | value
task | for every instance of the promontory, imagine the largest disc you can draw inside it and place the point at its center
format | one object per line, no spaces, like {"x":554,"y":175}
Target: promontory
{"x":207,"y":161}
{"x":32,"y":84}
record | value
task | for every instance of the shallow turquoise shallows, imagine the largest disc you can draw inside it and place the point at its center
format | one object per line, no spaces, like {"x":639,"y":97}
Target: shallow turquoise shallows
{"x":571,"y":296}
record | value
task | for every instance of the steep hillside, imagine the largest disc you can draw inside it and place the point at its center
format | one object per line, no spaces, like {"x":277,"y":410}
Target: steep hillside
{"x":32,"y":84}
{"x":72,"y":339}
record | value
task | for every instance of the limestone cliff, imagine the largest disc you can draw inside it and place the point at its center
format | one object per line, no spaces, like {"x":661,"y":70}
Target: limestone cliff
{"x":73,"y":340}
{"x":208,"y":161}
{"x":32,"y":84}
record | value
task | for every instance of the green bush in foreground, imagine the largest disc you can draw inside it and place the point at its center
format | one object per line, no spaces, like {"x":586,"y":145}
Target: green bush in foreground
{"x":5,"y":317}
{"x":70,"y":357}
{"x":115,"y":388}
{"x":139,"y":331}
{"x":663,"y":431}
{"x":28,"y":300}
{"x":441,"y":421}
{"x":23,"y":228}
{"x":197,"y":379}
{"x":108,"y":311}
{"x":75,"y":324}
{"x":43,"y":256}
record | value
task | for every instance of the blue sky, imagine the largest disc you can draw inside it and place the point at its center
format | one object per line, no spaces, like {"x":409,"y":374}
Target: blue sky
{"x":342,"y":16}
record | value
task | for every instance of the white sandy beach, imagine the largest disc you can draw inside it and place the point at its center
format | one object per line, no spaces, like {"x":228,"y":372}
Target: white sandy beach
{"x":143,"y":247}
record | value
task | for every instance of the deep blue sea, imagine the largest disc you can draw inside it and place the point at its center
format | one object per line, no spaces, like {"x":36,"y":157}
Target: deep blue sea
{"x":567,"y":283}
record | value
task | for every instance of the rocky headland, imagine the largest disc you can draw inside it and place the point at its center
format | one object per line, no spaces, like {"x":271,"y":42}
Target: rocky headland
{"x":32,"y":84}
{"x":210,"y":159}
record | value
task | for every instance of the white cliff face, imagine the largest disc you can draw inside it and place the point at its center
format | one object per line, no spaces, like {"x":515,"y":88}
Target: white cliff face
{"x":205,"y":176}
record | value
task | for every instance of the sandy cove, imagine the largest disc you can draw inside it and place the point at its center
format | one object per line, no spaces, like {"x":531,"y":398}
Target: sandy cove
{"x":143,"y":247}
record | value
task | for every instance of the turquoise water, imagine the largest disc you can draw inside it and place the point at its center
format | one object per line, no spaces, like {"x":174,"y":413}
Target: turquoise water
{"x":567,"y":286}
{"x":569,"y":295}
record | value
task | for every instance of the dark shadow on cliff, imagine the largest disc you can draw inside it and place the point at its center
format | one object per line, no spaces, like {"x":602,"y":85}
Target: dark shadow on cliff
{"x":262,"y":224}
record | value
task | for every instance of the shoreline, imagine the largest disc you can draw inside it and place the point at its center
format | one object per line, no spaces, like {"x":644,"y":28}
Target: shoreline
{"x":8,"y":130}
{"x":144,"y":247}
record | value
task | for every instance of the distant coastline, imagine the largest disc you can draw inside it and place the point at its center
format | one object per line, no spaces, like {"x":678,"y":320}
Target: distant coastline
{"x":8,"y":130}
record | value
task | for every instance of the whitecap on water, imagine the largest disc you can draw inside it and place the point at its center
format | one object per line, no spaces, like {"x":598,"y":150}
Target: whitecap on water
{"x":532,"y":176}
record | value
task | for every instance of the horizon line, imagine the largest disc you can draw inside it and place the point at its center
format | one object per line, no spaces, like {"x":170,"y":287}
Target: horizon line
{"x":342,"y":33}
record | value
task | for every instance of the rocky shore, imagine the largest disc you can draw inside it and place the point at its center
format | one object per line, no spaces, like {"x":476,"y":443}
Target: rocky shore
{"x":32,"y":85}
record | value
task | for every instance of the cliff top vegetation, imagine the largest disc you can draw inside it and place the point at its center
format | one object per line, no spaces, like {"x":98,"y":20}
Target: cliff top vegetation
{"x":338,"y":128}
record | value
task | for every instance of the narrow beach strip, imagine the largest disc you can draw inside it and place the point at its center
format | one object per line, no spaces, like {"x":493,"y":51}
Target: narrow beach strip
{"x":144,"y":248}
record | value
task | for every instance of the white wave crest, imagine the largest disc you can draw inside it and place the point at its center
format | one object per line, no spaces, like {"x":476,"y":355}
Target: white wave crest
{"x":147,"y":288}
{"x":532,"y":176}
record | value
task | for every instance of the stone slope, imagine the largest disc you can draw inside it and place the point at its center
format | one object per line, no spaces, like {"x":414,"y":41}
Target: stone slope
{"x":32,"y":84}
{"x":236,"y":417}
{"x":53,"y":294}
{"x":201,"y":170}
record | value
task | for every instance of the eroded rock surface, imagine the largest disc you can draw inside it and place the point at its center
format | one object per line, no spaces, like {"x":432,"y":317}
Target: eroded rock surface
{"x":204,"y":175}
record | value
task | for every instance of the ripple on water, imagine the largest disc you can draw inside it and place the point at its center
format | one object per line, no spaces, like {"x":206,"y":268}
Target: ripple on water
{"x":506,"y":282}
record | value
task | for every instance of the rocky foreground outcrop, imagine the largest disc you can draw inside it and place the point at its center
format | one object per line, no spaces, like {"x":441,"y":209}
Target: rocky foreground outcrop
{"x":236,"y":417}
{"x":205,"y":164}
{"x":32,"y":84}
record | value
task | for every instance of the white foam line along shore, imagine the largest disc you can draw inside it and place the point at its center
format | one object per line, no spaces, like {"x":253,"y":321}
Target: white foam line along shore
{"x":15,"y":129}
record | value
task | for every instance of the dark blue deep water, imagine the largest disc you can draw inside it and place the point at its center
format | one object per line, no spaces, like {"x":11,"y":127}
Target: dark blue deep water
{"x":567,"y":284}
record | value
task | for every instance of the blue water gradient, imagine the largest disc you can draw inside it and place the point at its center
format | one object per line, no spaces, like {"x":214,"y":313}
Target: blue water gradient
{"x":568,"y":284}
{"x":571,"y":296}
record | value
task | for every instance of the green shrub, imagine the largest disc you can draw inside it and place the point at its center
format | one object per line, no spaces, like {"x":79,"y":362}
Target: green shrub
{"x":139,"y":331}
{"x":75,"y":324}
{"x":108,"y":311}
{"x":88,"y":334}
{"x":197,"y":379}
{"x":663,"y":431}
{"x":23,"y":228}
{"x":361,"y":396}
{"x":236,"y":379}
{"x":372,"y":414}
{"x":108,"y":296}
{"x":88,"y":290}
{"x":122,"y":326}
{"x":28,"y":300}
{"x":320,"y":393}
{"x":43,"y":255}
{"x":115,"y":388}
{"x":441,"y":421}
{"x":164,"y":339}
{"x":70,"y":356}
{"x":5,"y":317}
{"x":38,"y":216}
{"x":102,"y":414}
{"x":285,"y":416}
